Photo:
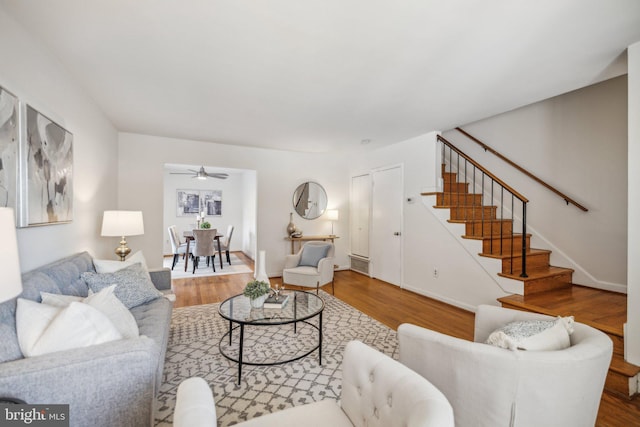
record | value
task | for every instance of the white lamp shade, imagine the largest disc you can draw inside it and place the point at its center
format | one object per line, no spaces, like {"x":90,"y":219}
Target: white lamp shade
{"x":11,"y":278}
{"x":122,"y":223}
{"x":333,"y":214}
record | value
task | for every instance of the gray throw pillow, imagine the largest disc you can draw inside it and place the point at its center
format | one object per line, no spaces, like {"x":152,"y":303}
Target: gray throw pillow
{"x":312,"y":254}
{"x":134,"y":287}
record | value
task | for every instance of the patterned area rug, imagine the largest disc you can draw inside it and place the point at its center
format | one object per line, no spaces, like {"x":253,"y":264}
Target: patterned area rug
{"x":193,"y":351}
{"x":237,"y":266}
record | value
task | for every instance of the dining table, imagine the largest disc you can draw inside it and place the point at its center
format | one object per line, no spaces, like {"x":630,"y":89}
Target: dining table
{"x":188,"y":235}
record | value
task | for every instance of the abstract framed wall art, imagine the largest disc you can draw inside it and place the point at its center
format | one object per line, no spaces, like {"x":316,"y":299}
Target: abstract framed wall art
{"x":188,"y":202}
{"x":211,"y":202}
{"x":8,"y":149}
{"x":47,"y":170}
{"x":195,"y":202}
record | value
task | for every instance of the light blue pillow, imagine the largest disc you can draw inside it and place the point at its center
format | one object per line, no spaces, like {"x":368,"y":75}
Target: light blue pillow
{"x":134,"y":286}
{"x":312,"y":254}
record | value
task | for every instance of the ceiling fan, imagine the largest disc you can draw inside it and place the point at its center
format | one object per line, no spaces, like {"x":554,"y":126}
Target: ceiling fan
{"x":202,"y":174}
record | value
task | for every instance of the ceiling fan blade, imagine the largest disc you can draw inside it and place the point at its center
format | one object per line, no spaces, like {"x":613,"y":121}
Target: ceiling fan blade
{"x":218,"y":175}
{"x":180,"y":173}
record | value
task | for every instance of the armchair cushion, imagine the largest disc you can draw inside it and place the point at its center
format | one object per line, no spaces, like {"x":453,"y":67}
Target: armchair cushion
{"x":540,"y":335}
{"x":312,"y":254}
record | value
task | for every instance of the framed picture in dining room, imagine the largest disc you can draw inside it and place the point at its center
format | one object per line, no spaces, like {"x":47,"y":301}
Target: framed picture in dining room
{"x":8,"y":149}
{"x":187,"y":202}
{"x":211,"y":202}
{"x":195,"y":202}
{"x":46,"y":169}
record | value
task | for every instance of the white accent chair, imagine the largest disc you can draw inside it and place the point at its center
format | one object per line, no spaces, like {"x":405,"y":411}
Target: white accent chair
{"x":377,"y":391}
{"x":177,"y":248}
{"x":495,"y":387}
{"x":299,"y":269}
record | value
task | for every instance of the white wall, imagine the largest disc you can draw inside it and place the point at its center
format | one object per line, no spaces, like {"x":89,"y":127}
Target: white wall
{"x":576,"y":142}
{"x":278,"y":173}
{"x":632,"y":336}
{"x":233,"y":210}
{"x":426,"y":243}
{"x":30,"y":72}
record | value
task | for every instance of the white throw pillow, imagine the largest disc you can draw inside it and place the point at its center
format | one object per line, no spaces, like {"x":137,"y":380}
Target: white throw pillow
{"x":534,"y":335}
{"x":32,"y":319}
{"x":106,"y":302}
{"x":45,"y":329}
{"x":111,"y":266}
{"x":59,"y":300}
{"x":109,"y":305}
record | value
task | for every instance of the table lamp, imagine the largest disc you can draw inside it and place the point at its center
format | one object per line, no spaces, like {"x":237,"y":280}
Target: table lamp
{"x":333,"y":215}
{"x":122,"y":223}
{"x":11,"y":278}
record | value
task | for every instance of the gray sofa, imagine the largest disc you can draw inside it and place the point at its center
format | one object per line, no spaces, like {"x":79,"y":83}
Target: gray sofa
{"x":110,"y":384}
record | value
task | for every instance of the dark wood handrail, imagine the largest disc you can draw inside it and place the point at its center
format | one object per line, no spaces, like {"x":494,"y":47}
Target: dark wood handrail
{"x":483,"y":169}
{"x":566,"y":198}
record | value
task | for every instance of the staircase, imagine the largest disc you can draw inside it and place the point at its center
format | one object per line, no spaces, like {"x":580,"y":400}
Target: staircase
{"x":547,"y":289}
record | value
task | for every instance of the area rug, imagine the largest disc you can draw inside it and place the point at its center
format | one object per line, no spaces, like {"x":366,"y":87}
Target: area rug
{"x":193,"y":351}
{"x":237,"y":266}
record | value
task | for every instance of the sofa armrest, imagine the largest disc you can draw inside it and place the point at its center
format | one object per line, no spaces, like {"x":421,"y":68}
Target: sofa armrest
{"x":161,"y":278}
{"x":105,"y":385}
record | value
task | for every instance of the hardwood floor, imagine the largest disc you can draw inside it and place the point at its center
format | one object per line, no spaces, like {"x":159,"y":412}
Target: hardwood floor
{"x":391,"y":306}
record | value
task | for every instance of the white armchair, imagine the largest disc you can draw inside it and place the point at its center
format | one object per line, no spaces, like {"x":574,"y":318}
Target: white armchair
{"x":377,"y":391}
{"x":491,"y":386}
{"x":309,"y":269}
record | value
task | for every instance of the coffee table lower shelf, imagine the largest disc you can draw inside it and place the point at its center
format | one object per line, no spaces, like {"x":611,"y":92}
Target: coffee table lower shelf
{"x":240,"y":360}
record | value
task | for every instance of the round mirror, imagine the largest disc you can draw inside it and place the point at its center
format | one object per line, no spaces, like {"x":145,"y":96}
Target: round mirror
{"x":310,"y":200}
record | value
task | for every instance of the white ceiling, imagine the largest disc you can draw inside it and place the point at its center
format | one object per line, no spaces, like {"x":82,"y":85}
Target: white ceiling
{"x":319,"y":75}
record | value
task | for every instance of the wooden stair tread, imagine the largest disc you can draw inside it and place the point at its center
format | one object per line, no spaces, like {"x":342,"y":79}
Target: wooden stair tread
{"x":622,"y":367}
{"x":604,"y":310}
{"x":496,"y":237}
{"x":516,"y":254}
{"x":478,"y":221}
{"x":539,"y":273}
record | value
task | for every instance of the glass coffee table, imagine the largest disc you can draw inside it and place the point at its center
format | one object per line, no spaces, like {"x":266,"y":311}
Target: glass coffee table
{"x":301,"y":307}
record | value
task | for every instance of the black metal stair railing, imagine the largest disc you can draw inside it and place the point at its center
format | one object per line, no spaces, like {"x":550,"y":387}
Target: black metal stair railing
{"x":505,"y":205}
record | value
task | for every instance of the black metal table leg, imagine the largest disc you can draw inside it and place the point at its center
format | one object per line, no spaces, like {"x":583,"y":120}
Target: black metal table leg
{"x":230,"y":330}
{"x":320,"y":340}
{"x":240,"y":355}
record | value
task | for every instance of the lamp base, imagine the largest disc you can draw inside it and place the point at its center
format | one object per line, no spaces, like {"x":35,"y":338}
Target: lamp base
{"x":122,"y":251}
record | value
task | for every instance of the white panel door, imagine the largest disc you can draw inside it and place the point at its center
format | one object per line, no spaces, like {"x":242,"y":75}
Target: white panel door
{"x":360,"y":211}
{"x":386,"y":225}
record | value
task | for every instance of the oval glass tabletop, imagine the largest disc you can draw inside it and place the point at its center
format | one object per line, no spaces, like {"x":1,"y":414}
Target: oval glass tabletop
{"x":301,"y":305}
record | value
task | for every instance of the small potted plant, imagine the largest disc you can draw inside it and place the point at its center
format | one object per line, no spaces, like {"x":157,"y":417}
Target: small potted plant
{"x":257,"y":291}
{"x":205,"y":225}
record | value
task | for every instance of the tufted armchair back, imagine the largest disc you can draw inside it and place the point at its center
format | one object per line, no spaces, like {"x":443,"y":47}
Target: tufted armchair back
{"x":379,"y":391}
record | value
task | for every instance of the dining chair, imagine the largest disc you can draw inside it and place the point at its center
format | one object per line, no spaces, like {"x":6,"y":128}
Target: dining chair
{"x":177,"y":248}
{"x":224,"y":245}
{"x":204,"y":246}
